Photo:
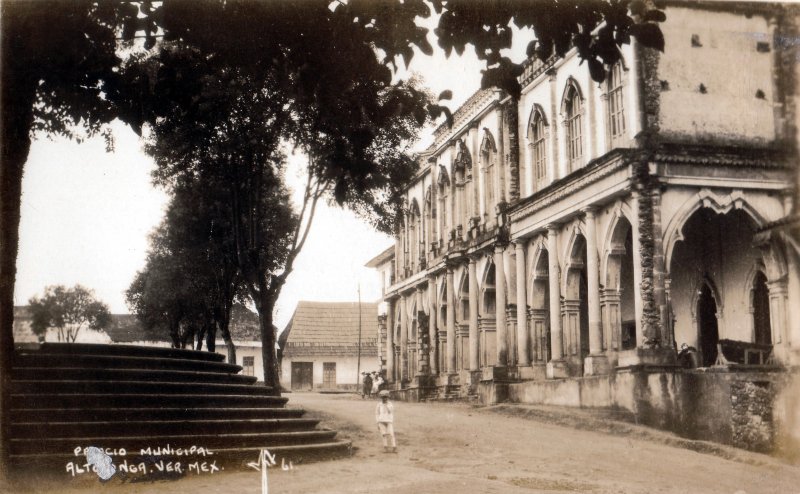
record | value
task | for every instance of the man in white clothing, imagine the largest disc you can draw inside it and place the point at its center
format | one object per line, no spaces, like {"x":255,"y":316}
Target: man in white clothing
{"x":384,"y":416}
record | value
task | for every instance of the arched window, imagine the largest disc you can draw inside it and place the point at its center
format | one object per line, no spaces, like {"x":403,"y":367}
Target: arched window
{"x":616,"y":106}
{"x":489,"y":302}
{"x":462,"y":174}
{"x":444,"y":189}
{"x":536,"y":136}
{"x":463,"y":297}
{"x":574,"y":126}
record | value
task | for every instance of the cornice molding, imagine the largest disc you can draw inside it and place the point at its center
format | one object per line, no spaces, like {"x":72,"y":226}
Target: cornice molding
{"x":566,"y":187}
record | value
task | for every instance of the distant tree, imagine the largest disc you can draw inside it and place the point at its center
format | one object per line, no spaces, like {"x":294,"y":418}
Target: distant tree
{"x":234,"y":139}
{"x":190,"y":281}
{"x":68,"y":310}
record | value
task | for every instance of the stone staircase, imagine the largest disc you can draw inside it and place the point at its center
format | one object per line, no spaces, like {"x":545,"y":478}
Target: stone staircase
{"x":67,"y":396}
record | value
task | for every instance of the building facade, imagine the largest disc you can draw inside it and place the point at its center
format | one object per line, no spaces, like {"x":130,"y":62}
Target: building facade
{"x":557,"y":246}
{"x":321,"y":349}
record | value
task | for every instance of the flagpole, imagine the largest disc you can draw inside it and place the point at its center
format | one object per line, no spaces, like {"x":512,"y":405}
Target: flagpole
{"x":358,"y":368}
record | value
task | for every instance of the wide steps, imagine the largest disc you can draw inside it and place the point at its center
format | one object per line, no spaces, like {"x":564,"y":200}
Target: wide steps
{"x":150,"y":375}
{"x":186,"y":400}
{"x":133,"y":387}
{"x":19,"y":446}
{"x":101,"y":429}
{"x":66,"y":396}
{"x":155,"y":413}
{"x":126,"y":350}
{"x":30,"y":359}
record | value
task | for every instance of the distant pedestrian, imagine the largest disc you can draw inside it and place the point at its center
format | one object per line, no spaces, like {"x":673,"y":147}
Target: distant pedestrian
{"x":367,"y":389}
{"x":384,"y":416}
{"x":377,"y":382}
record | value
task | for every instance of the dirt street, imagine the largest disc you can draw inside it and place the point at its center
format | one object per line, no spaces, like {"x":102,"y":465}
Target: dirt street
{"x":459,"y":448}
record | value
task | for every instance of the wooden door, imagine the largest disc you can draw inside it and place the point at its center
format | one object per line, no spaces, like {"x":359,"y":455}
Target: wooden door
{"x":329,"y":375}
{"x":302,"y":376}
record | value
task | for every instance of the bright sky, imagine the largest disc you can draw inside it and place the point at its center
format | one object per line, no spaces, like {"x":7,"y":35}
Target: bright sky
{"x":87,"y":214}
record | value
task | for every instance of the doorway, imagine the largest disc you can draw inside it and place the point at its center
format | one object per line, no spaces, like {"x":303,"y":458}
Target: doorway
{"x":302,"y":376}
{"x":329,"y":375}
{"x":707,"y":325}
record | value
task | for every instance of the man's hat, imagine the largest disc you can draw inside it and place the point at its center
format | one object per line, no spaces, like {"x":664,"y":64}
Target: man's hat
{"x":383,"y":394}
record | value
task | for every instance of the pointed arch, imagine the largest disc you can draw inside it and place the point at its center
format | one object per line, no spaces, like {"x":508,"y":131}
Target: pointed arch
{"x":463,"y":160}
{"x":443,"y":179}
{"x":616,"y":124}
{"x":706,"y":198}
{"x":572,"y":110}
{"x":570,"y":86}
{"x":705,"y":279}
{"x":462,"y":297}
{"x":488,"y":142}
{"x":537,"y":134}
{"x":538,"y":284}
{"x":611,"y":242}
{"x":574,"y":259}
{"x":488,"y":289}
{"x":414,"y":207}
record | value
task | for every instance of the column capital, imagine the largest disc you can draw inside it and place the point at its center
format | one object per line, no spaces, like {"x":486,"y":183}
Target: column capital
{"x":500,"y":247}
{"x":520,"y":243}
{"x":553,"y":227}
{"x":589,"y":211}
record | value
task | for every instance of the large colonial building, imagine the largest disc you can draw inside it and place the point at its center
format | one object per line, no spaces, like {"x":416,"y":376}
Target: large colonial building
{"x":560,"y":248}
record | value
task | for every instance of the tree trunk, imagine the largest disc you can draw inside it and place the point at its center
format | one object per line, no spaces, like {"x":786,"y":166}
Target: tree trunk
{"x":211,"y":336}
{"x":268,"y":358}
{"x":226,"y":336}
{"x":18,"y":95}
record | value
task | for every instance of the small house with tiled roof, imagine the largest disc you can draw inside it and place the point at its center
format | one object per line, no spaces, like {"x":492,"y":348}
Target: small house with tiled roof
{"x":320,"y":345}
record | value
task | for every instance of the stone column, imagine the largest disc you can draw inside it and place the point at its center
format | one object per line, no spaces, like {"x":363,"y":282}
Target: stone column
{"x":476,"y":167}
{"x":523,"y":347}
{"x":403,"y":340}
{"x":660,"y":273}
{"x":422,"y":353}
{"x":474,"y":361}
{"x":596,"y":362}
{"x":500,"y":297}
{"x":554,"y":155}
{"x":451,"y":322}
{"x":637,"y":268}
{"x":500,"y":179}
{"x":778,"y":292}
{"x":390,"y":342}
{"x":432,"y":326}
{"x":556,"y":367}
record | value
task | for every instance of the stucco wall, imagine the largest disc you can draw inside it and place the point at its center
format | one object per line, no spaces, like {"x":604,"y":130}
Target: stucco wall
{"x":346,"y":370}
{"x":727,"y":407}
{"x":729,"y":67}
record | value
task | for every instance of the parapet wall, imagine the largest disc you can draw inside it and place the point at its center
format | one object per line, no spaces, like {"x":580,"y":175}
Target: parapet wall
{"x":755,"y":410}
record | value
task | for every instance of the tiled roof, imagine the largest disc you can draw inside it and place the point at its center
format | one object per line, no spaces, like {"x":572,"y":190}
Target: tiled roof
{"x":332,"y":326}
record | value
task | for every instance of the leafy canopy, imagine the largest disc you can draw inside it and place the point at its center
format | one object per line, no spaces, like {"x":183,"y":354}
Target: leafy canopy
{"x":69,"y":310}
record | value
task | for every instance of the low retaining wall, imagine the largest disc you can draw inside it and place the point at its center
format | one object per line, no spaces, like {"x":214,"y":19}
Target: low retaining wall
{"x":729,"y":407}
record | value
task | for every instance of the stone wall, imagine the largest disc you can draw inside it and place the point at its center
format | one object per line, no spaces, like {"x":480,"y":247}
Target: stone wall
{"x":729,"y":407}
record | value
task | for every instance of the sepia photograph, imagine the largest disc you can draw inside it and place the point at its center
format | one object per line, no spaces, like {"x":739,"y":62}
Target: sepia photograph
{"x":399,"y":246}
